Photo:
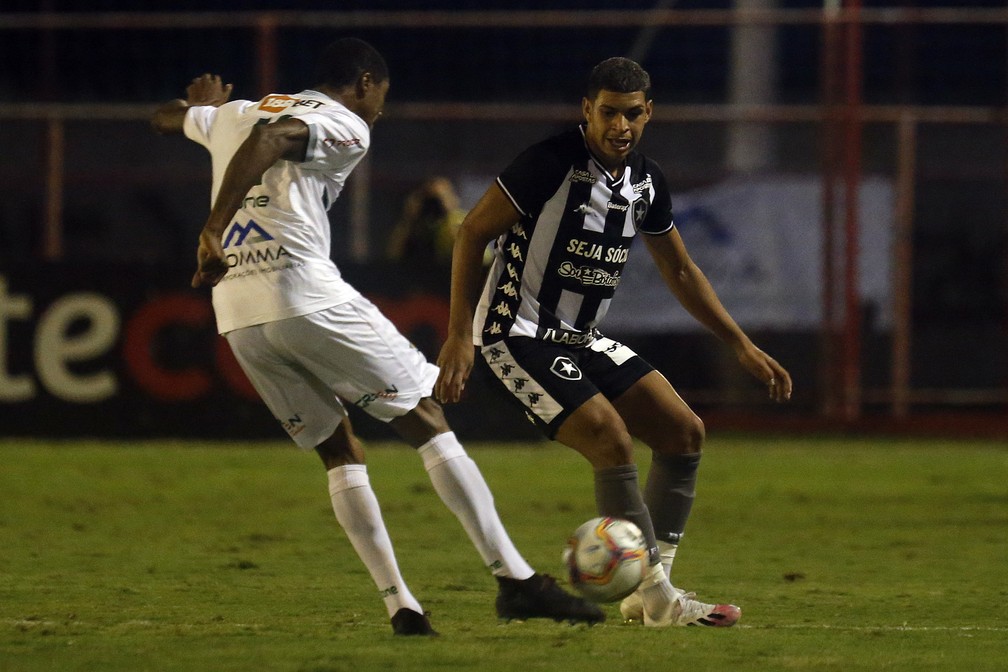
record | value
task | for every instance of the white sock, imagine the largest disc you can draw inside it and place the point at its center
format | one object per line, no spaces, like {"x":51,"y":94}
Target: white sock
{"x":460,"y":485}
{"x":656,"y":591}
{"x":357,"y":511}
{"x":667,"y":552}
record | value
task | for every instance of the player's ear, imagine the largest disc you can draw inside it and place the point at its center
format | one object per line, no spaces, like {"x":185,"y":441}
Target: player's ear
{"x":364,"y":84}
{"x":586,"y":106}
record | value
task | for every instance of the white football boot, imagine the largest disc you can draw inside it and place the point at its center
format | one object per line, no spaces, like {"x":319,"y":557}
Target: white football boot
{"x":682,"y":610}
{"x":632,"y":607}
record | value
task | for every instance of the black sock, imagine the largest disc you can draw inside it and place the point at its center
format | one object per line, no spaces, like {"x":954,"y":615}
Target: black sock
{"x":617,"y":494}
{"x":669,"y":493}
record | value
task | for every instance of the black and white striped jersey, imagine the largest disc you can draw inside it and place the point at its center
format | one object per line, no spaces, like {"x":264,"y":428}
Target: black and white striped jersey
{"x":555,"y":272}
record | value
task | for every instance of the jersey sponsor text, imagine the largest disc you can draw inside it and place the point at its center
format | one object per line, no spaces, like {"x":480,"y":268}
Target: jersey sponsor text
{"x":572,"y":338}
{"x":643,"y":185}
{"x":588,"y":275}
{"x":588,"y":250}
{"x":281,"y":103}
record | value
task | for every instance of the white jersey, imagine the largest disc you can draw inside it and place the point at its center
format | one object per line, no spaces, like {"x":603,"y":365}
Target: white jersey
{"x":278,"y":245}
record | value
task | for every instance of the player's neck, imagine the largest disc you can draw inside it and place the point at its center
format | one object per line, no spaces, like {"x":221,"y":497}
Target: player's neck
{"x":614,"y":168}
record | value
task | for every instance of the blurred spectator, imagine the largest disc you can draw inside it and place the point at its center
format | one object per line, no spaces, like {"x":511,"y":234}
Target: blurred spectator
{"x":424,"y":236}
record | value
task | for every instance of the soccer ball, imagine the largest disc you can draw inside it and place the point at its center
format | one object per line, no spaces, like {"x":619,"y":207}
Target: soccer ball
{"x":606,"y":559}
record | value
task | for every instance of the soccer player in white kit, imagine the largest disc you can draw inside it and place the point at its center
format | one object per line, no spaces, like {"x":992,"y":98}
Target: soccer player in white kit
{"x":307,"y":340}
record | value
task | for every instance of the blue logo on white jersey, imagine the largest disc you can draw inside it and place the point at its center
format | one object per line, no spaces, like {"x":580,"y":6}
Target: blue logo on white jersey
{"x":242,"y":232}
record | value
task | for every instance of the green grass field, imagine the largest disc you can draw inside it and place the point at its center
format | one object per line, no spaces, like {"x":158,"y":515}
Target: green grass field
{"x":844,"y":554}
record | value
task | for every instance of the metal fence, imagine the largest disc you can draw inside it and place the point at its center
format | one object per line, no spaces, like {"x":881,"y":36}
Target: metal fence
{"x":842,"y":122}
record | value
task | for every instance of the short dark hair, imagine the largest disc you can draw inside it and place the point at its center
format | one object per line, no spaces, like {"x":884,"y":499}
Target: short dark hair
{"x":342,"y":62}
{"x":619,"y":75}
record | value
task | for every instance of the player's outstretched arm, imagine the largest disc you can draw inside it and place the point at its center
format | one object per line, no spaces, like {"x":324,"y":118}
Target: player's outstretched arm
{"x":697,"y":296}
{"x":206,"y":89}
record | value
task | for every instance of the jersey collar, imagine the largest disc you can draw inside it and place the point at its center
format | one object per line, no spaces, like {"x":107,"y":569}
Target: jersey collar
{"x":605,"y":171}
{"x":316,"y":94}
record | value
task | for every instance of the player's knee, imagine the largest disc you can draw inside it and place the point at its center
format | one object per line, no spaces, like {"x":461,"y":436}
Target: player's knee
{"x":694,"y":434}
{"x":685,"y":438}
{"x":340,"y":449}
{"x":614,"y":438}
{"x":612,"y":449}
{"x":601,"y":438}
{"x":421,"y":424}
{"x":620,"y":448}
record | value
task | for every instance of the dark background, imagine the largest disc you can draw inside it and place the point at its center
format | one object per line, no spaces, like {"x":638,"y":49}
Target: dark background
{"x":134,"y":202}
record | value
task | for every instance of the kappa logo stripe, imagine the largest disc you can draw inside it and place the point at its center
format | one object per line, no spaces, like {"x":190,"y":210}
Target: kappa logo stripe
{"x":520,"y":383}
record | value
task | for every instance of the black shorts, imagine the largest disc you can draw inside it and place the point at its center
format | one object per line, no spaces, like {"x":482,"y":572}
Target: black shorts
{"x":551,"y":381}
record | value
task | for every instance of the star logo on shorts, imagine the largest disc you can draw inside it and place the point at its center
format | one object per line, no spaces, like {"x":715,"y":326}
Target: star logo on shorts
{"x":565,"y":368}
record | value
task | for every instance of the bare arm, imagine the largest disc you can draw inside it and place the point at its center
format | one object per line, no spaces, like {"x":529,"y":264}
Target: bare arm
{"x":265,"y":145}
{"x":691,"y":287}
{"x":206,"y":89}
{"x":493,"y":215}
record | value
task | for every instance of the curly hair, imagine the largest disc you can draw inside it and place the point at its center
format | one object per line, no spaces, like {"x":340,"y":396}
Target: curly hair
{"x":346,"y":59}
{"x":619,"y":75}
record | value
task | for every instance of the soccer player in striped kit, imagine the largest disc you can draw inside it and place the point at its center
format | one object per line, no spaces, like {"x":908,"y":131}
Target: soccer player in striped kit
{"x":563,"y":216}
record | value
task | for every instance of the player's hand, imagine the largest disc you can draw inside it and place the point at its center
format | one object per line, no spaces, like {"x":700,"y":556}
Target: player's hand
{"x":455,"y":362}
{"x":211,"y":264}
{"x":207,"y":89}
{"x":766,"y":369}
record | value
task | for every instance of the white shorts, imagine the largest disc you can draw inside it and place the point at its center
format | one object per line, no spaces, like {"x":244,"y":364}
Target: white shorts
{"x":305,"y":368}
